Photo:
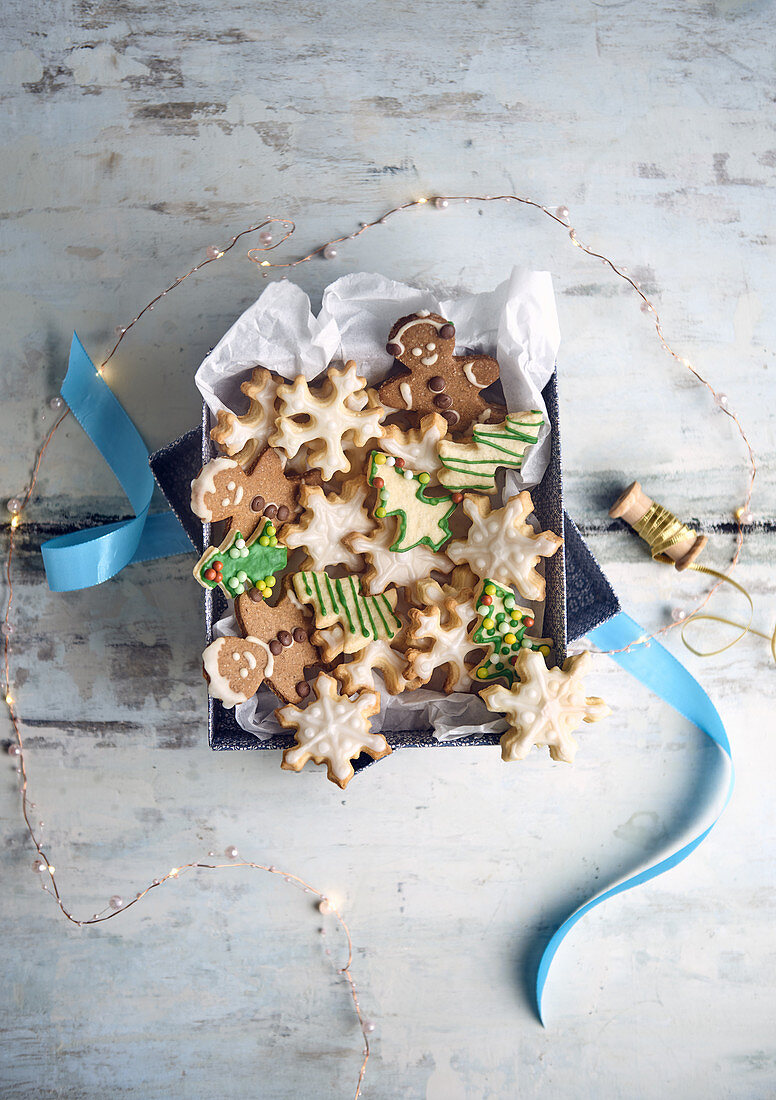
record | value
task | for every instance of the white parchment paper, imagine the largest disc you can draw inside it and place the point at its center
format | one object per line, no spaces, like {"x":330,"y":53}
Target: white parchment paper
{"x":517,"y":322}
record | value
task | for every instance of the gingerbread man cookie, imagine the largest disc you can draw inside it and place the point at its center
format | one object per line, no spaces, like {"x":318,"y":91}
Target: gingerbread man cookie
{"x":223,"y":490}
{"x":235,"y":667}
{"x":436,"y":379}
{"x":285,"y":628}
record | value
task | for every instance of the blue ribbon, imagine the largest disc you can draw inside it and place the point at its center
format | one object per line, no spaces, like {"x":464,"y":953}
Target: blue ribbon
{"x":668,"y":678}
{"x":84,"y":558}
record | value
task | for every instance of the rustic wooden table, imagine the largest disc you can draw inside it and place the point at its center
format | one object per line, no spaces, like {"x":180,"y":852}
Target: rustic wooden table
{"x":135,"y":136}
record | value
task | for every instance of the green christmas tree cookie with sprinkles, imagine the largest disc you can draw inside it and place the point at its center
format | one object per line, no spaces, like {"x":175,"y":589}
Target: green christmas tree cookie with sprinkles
{"x":502,"y":626}
{"x":237,"y":565}
{"x":402,"y":493}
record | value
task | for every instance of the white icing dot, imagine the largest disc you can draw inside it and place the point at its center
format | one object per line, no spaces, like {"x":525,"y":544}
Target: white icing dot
{"x":225,"y":502}
{"x":231,"y":486}
{"x":417,"y":351}
{"x":244,"y":552}
{"x":235,"y":656}
{"x":240,"y":543}
{"x":390,"y":461}
{"x":430,"y":347}
{"x":243,"y":672}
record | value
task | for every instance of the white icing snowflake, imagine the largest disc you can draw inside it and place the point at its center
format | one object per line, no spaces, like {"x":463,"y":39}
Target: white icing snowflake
{"x":418,"y":447}
{"x":333,"y":730}
{"x":502,"y":546}
{"x":402,"y":568}
{"x":324,"y":523}
{"x":545,"y":706}
{"x":451,"y":642}
{"x":322,"y":418}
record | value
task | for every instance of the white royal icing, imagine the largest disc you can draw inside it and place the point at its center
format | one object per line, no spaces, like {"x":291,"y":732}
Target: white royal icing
{"x":429,"y":360}
{"x":205,"y":484}
{"x":406,"y":394}
{"x":468,"y":370}
{"x":420,"y":318}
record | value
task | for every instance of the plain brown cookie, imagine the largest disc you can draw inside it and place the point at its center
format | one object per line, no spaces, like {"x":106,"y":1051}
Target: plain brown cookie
{"x":224,"y":490}
{"x":436,"y":380}
{"x":286,"y":629}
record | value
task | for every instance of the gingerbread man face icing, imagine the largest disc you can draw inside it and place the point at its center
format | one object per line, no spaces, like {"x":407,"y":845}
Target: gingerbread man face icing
{"x":437,"y":380}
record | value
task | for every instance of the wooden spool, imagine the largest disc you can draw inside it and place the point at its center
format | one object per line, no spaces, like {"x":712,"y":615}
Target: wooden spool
{"x":633,"y":505}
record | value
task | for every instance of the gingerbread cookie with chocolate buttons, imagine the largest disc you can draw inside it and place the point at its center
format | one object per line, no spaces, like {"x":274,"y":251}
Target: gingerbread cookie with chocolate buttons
{"x":224,"y":490}
{"x":436,"y":379}
{"x":285,"y":628}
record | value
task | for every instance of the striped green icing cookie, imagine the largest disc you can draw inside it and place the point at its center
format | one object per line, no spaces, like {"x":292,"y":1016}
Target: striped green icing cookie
{"x":473,"y":465}
{"x":364,"y":619}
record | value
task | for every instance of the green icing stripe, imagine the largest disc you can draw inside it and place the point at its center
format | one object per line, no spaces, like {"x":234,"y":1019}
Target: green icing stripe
{"x":367,"y":601}
{"x":330,"y":590}
{"x":357,"y":600}
{"x":391,"y":611}
{"x":321,"y":604}
{"x":343,"y":598}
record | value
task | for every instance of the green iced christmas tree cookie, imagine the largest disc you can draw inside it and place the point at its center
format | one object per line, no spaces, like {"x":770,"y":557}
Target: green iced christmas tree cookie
{"x":402,"y":493}
{"x":502,"y":626}
{"x":237,"y":565}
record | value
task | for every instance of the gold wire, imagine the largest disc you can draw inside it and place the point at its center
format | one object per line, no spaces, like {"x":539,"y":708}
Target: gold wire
{"x":661,"y":530}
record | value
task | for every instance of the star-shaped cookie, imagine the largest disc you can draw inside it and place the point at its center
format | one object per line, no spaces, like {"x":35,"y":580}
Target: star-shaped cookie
{"x":502,"y":546}
{"x":332,"y":730}
{"x":545,"y":706}
{"x":325,"y":520}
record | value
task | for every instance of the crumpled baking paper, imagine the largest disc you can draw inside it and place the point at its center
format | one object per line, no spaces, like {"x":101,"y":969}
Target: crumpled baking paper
{"x":517,"y":322}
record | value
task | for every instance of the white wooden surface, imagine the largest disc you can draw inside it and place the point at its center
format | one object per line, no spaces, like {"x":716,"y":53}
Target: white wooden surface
{"x":133,"y":137}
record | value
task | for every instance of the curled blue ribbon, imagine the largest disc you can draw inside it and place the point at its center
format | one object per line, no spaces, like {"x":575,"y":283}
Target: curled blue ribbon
{"x":658,"y":670}
{"x":84,"y":558}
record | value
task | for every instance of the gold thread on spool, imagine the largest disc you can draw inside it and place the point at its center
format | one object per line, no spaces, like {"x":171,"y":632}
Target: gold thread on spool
{"x":661,"y":530}
{"x":675,"y":543}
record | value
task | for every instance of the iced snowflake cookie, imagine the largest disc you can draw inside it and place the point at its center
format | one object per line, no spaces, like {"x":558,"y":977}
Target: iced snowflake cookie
{"x":401,"y":493}
{"x":436,"y":379}
{"x":235,"y":667}
{"x":326,"y":519}
{"x":286,"y":629}
{"x":332,"y":730}
{"x":387,"y":658}
{"x":342,"y":412}
{"x":386,"y":567}
{"x":502,"y":627}
{"x":237,"y":565}
{"x":460,"y":586}
{"x":502,"y":546}
{"x":417,"y":447}
{"x":224,"y":490}
{"x":451,"y":643}
{"x":243,"y":437}
{"x":545,"y":707}
{"x":473,"y":465}
{"x":340,"y":601}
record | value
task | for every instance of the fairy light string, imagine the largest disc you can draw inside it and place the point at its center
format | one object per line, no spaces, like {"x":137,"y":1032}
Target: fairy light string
{"x":328,"y":250}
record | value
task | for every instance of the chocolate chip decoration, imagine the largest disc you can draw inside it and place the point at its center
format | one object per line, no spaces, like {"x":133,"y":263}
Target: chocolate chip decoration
{"x":257,"y":504}
{"x":284,"y":637}
{"x":300,"y":635}
{"x":302,"y":689}
{"x":275,"y":647}
{"x":435,"y":378}
{"x":271,"y":511}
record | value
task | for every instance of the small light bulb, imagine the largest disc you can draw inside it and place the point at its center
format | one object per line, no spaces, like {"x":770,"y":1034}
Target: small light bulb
{"x":15,"y":522}
{"x":9,"y":699}
{"x":421,"y":201}
{"x":266,"y":263}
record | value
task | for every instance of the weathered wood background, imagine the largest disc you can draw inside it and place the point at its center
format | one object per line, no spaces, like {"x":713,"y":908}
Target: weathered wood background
{"x":134,"y":135}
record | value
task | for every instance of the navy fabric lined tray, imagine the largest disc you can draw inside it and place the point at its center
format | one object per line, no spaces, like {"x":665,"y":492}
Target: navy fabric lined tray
{"x":579,"y":597}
